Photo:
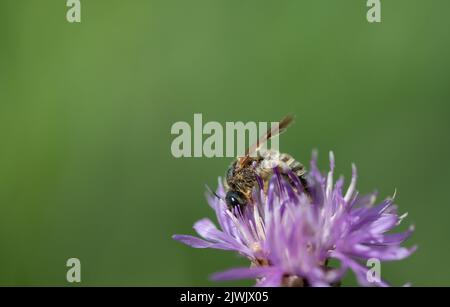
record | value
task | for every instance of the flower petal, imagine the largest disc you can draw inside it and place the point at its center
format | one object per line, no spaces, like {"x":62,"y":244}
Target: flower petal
{"x":243,"y":273}
{"x":192,"y":241}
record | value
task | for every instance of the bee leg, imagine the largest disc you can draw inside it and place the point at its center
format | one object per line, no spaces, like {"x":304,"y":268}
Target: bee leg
{"x":250,"y":200}
{"x":305,"y":184}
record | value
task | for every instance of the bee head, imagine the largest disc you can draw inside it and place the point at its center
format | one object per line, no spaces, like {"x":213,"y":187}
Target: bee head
{"x":235,"y":199}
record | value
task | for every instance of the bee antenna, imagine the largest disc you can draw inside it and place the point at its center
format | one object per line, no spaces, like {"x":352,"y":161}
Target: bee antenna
{"x":212,"y":192}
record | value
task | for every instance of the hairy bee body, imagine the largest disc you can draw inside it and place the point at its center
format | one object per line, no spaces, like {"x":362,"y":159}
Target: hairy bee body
{"x":240,"y":180}
{"x":259,"y":163}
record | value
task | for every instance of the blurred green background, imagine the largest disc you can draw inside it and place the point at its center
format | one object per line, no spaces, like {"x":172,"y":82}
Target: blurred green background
{"x":86,"y":109}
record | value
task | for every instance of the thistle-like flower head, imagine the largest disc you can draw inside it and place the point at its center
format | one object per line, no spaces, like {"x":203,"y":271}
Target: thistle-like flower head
{"x":290,"y":236}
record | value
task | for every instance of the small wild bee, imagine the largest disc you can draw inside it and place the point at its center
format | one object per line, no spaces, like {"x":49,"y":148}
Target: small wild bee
{"x":242,"y":174}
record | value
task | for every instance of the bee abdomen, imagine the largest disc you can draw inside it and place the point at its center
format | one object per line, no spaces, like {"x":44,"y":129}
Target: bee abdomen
{"x":292,"y":164}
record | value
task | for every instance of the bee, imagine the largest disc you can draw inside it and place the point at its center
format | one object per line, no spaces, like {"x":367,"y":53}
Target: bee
{"x":242,"y":175}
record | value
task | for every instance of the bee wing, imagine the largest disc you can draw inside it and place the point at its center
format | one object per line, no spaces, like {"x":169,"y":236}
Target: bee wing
{"x":284,"y":123}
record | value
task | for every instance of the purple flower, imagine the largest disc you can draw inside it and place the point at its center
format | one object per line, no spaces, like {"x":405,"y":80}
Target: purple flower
{"x":290,"y":236}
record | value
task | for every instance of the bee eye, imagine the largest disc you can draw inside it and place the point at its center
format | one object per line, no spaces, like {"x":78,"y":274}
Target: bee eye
{"x":234,"y":199}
